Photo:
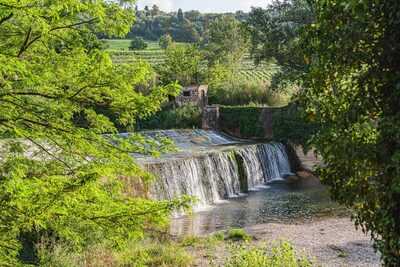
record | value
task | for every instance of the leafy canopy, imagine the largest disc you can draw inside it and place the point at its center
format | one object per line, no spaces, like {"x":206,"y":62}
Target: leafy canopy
{"x":58,"y":176}
{"x":353,"y":91}
{"x":275,"y":35}
{"x":183,"y":64}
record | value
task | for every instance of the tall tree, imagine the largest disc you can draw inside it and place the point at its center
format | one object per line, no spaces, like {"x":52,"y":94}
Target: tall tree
{"x":275,"y":35}
{"x":353,"y":91}
{"x":155,"y":11}
{"x":183,"y":63}
{"x":60,"y":177}
{"x":180,"y":16}
{"x":226,"y":41}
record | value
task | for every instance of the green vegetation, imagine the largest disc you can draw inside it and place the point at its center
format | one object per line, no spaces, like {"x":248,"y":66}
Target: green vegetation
{"x":185,"y":117}
{"x":182,"y":64}
{"x":188,"y":27}
{"x":137,"y":43}
{"x":277,"y":256}
{"x":291,"y":124}
{"x":246,"y":119}
{"x":353,"y":92}
{"x":237,"y":234}
{"x":274,"y":34}
{"x":165,"y":41}
{"x":226,"y":42}
{"x":59,"y":173}
{"x":146,"y":253}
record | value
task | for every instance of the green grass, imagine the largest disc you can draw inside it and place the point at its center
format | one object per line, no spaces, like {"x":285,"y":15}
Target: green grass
{"x":283,"y":255}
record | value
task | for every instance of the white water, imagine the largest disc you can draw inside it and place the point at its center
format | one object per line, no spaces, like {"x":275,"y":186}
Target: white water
{"x":215,"y":176}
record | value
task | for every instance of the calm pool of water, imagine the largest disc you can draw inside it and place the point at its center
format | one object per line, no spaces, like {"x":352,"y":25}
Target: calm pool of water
{"x":285,"y":203}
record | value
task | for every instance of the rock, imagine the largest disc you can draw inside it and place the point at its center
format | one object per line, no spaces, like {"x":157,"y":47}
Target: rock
{"x":292,"y":179}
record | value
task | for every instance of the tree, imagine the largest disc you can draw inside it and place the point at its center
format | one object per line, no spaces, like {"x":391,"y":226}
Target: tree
{"x":147,"y":11}
{"x":155,"y":11}
{"x":165,"y":41}
{"x":226,"y":41}
{"x":138,"y":43}
{"x":183,"y":64}
{"x":353,"y":92}
{"x":58,"y":178}
{"x":180,"y":16}
{"x":275,"y":35}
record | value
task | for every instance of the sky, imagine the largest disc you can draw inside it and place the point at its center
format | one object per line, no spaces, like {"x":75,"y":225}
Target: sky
{"x":204,"y":5}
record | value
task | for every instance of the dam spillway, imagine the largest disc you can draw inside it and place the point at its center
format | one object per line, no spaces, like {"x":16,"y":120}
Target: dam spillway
{"x":212,"y":167}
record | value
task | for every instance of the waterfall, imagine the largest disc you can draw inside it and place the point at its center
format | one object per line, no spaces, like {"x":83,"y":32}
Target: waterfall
{"x":218,"y":175}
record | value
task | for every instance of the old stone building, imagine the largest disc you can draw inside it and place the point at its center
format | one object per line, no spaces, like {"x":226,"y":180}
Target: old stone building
{"x":194,"y":94}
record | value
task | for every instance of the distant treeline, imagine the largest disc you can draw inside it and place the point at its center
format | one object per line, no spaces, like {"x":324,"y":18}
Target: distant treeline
{"x":191,"y":26}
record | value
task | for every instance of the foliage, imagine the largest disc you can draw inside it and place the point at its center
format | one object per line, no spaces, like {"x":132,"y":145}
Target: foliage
{"x":151,"y":25}
{"x":225,"y":42}
{"x":189,"y":26}
{"x":353,"y":92}
{"x":237,"y":234}
{"x":138,"y":43}
{"x":275,"y":34}
{"x":141,"y":254}
{"x":182,"y":64}
{"x":58,"y":178}
{"x":238,"y":92}
{"x":187,"y":116}
{"x":246,"y":119}
{"x":165,"y":41}
{"x":282,"y":255}
{"x":291,"y":125}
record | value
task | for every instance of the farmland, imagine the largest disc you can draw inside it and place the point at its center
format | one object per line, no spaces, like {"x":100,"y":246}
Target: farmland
{"x":154,"y":54}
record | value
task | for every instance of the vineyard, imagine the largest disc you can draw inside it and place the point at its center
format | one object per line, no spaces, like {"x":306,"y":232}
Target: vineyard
{"x":119,"y":49}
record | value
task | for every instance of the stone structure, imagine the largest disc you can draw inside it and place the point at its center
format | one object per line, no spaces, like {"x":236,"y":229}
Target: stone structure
{"x":210,"y":118}
{"x":194,"y":94}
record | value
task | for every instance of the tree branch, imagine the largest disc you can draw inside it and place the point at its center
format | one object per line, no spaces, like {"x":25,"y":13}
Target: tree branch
{"x":28,"y":43}
{"x":6,"y":18}
{"x":24,"y":44}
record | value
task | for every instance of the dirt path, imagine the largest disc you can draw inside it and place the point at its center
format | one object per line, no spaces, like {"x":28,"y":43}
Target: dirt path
{"x":332,"y":242}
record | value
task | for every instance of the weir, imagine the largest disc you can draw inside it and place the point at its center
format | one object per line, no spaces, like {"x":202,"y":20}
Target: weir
{"x":213,"y":167}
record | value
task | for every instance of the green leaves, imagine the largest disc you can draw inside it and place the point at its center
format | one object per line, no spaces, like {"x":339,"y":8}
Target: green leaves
{"x":60,"y":98}
{"x":351,"y":93}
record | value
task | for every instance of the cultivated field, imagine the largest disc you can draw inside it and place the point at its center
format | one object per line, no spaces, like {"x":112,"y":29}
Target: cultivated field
{"x":153,"y":54}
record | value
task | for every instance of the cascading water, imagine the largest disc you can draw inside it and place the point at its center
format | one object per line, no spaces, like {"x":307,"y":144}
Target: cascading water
{"x":216,"y":174}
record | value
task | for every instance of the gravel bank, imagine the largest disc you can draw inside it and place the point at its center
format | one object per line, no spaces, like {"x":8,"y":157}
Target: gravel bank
{"x":332,"y":242}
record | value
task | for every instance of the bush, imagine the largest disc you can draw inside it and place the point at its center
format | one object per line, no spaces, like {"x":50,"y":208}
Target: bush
{"x":145,"y":253}
{"x":245,"y":92}
{"x":247,"y":119}
{"x":291,"y":125}
{"x":138,"y":43}
{"x":238,"y":235}
{"x":165,"y":41}
{"x":278,"y":256}
{"x":187,"y":116}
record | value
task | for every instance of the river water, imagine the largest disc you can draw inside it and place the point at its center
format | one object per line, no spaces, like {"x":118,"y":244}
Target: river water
{"x":236,"y":184}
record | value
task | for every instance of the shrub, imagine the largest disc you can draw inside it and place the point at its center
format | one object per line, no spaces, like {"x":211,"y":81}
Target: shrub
{"x":138,"y":43}
{"x":277,"y":256}
{"x":140,"y":254}
{"x":247,"y":119}
{"x":239,"y":92}
{"x":238,"y":235}
{"x":165,"y":41}
{"x":187,"y":116}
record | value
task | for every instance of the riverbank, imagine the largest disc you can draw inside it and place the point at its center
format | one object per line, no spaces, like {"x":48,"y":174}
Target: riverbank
{"x":333,"y":242}
{"x":327,"y":242}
